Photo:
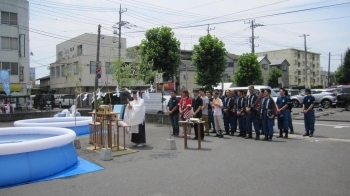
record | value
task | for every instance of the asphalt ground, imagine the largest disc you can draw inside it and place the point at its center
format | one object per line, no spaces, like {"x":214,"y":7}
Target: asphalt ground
{"x":228,"y":166}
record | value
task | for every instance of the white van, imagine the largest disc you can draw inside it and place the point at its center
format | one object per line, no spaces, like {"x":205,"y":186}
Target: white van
{"x":257,"y":88}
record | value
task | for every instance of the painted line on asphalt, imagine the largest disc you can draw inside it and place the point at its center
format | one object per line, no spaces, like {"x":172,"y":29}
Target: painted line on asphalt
{"x":334,"y":126}
{"x":311,"y":139}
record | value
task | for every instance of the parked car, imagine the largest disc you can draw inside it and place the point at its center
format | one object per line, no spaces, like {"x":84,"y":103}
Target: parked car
{"x":326,"y":99}
{"x":257,"y":88}
{"x":40,"y":101}
{"x":64,"y":101}
{"x":343,"y":98}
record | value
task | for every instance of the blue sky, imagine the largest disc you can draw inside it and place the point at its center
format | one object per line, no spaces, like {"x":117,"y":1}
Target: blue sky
{"x":58,"y":20}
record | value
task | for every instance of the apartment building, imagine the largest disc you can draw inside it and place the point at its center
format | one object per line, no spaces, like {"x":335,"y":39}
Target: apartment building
{"x":187,"y":72}
{"x":14,"y":43}
{"x":76,"y":63}
{"x":296,"y":60}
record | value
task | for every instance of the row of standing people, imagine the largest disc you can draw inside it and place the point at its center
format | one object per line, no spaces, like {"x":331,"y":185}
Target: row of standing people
{"x":223,"y":114}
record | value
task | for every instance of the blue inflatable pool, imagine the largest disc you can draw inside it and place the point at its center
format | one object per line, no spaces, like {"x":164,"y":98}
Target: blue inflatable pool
{"x":33,"y":153}
{"x":80,"y":125}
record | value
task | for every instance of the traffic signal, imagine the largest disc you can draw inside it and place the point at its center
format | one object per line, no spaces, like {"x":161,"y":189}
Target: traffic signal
{"x":98,"y":72}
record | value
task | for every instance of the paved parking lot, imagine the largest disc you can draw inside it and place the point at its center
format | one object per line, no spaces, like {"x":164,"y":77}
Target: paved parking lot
{"x":229,"y":166}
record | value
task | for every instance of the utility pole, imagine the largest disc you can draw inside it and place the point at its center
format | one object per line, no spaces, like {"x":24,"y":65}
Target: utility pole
{"x":329,"y":68}
{"x":97,"y":66}
{"x":120,"y":30}
{"x":341,"y":59}
{"x":305,"y":52}
{"x":253,"y":25}
{"x":208,"y":30}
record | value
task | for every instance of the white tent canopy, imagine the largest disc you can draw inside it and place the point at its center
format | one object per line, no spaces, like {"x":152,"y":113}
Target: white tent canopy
{"x":226,"y":85}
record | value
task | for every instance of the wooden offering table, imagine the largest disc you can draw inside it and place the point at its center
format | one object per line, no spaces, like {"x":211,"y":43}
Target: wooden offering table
{"x":197,"y":122}
{"x":101,"y":131}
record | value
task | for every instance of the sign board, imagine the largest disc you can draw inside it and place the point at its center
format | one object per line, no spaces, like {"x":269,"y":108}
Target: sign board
{"x":32,"y":74}
{"x":183,"y":87}
{"x":29,"y":85}
{"x":280,"y":81}
{"x":158,"y":78}
{"x":108,"y":83}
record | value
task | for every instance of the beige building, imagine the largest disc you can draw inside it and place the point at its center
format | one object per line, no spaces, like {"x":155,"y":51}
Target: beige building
{"x":76,"y":63}
{"x":296,"y":59}
{"x":187,"y":73}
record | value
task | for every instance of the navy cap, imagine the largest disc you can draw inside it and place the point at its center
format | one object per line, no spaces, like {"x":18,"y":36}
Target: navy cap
{"x":307,"y":90}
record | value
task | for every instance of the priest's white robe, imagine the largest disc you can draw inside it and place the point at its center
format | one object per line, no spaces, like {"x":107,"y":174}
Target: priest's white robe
{"x":136,"y":115}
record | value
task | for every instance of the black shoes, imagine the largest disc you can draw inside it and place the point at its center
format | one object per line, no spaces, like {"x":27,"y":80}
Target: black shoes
{"x":311,"y":134}
{"x":281,"y":134}
{"x":232,"y":133}
{"x":257,"y":137}
{"x":292,"y":130}
{"x":249,"y":136}
{"x":306,"y":134}
{"x":286,"y":135}
{"x":266,"y":138}
{"x":270,"y":138}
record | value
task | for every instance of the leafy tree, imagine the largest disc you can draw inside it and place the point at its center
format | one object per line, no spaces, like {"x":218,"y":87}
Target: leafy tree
{"x":249,"y":71}
{"x":346,"y":67}
{"x":159,"y":52}
{"x":339,"y":75}
{"x":124,"y":73}
{"x":209,"y":59}
{"x":274,"y":74}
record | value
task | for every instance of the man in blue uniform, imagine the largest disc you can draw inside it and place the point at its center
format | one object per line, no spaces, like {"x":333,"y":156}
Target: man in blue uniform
{"x":283,"y":113}
{"x":267,"y":112}
{"x":309,"y":113}
{"x":290,"y":107}
{"x":229,"y":106}
{"x":252,"y":113}
{"x":240,"y":114}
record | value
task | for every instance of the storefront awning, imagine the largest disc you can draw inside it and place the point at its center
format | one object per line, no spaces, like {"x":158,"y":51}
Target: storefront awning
{"x":13,"y":87}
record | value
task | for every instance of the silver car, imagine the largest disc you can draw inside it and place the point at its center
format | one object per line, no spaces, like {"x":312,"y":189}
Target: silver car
{"x":322,"y":96}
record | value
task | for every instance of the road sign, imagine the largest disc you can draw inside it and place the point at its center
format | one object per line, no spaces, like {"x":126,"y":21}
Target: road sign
{"x":29,"y":85}
{"x":159,"y":78}
{"x":98,"y":72}
{"x":183,"y":87}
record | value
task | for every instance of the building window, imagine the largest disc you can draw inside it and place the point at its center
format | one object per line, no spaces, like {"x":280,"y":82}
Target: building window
{"x":295,"y":62}
{"x":63,"y":71}
{"x":76,"y":68}
{"x":52,"y":72}
{"x":12,"y":67}
{"x":80,"y":50}
{"x":60,"y":55}
{"x":265,"y":66}
{"x":5,"y":66}
{"x":9,"y":43}
{"x":296,"y":78}
{"x":109,"y":68}
{"x":230,"y":64}
{"x":92,"y":67}
{"x":58,"y":73}
{"x":284,"y":67}
{"x":298,"y":64}
{"x":8,"y":18}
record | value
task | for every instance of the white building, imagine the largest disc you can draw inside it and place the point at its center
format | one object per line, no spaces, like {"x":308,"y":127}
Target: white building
{"x":76,"y":62}
{"x":14,"y":43}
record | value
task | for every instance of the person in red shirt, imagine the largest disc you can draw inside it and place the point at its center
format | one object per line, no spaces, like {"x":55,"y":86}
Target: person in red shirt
{"x":185,"y":108}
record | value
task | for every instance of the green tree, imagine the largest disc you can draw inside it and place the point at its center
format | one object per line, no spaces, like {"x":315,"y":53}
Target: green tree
{"x":209,"y":59}
{"x":249,"y":71}
{"x":346,"y":68}
{"x":339,"y":75}
{"x":274,"y":74}
{"x":125,"y":73}
{"x":159,"y":52}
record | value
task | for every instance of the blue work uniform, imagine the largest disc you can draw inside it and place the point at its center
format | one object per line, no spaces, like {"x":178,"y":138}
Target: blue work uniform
{"x":241,"y":118}
{"x":267,"y":113}
{"x":284,"y":115}
{"x":252,"y":117}
{"x":309,"y":117}
{"x":230,"y":120}
{"x":290,"y":121}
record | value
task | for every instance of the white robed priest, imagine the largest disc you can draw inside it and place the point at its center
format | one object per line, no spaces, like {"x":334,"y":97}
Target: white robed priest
{"x":135,"y":117}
